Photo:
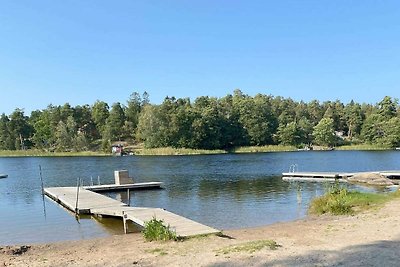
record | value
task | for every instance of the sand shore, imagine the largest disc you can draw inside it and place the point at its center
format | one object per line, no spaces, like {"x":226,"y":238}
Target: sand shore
{"x":368,"y":239}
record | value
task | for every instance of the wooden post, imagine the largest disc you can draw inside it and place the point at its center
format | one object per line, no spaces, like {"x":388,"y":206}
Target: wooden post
{"x":129,"y":197}
{"x":77,"y":196}
{"x":41,"y":179}
{"x":124,"y":220}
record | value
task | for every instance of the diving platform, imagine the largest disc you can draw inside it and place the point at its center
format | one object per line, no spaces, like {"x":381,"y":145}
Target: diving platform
{"x":119,"y":187}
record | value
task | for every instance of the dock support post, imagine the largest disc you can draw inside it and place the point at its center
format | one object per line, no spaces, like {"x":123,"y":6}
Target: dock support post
{"x":129,"y":197}
{"x":41,"y":179}
{"x":77,"y":196}
{"x":124,"y":217}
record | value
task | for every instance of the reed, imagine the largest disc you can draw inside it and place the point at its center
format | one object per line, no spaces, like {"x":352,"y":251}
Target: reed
{"x":363,"y":147}
{"x":258,"y":149}
{"x":168,"y":151}
{"x":41,"y":153}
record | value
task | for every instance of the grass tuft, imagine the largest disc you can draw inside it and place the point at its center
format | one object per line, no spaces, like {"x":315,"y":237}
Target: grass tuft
{"x":250,"y":247}
{"x":155,"y":230}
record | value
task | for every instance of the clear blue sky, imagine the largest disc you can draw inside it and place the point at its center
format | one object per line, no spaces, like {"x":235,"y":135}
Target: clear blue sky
{"x":80,"y":51}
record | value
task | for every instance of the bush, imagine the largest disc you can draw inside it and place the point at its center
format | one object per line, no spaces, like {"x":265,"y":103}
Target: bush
{"x":334,"y":202}
{"x":155,"y":230}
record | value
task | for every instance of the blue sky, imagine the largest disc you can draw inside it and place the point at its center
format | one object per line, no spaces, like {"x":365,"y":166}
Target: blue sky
{"x":80,"y":51}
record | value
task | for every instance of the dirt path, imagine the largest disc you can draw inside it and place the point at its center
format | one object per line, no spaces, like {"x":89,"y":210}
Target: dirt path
{"x":368,"y":239}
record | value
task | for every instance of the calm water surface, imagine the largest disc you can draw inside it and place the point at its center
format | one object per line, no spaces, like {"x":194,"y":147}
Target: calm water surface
{"x":222,"y":191}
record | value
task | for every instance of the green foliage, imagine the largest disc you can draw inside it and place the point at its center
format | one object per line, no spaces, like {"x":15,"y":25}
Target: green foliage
{"x":208,"y":123}
{"x":155,"y":230}
{"x":324,"y":132}
{"x":340,"y":201}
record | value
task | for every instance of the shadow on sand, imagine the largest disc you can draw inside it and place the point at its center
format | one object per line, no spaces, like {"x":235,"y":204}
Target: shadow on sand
{"x":382,"y":253}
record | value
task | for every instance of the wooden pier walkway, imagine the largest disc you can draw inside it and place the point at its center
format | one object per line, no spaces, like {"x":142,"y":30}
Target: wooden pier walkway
{"x":93,"y":203}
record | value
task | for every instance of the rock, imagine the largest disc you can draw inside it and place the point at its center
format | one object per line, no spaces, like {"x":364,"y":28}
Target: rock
{"x":14,"y":250}
{"x":370,"y":178}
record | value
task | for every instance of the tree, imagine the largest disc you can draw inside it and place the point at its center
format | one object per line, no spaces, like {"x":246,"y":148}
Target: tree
{"x":257,"y":118}
{"x":100,"y":113}
{"x":19,"y":128}
{"x":150,"y":126}
{"x":6,"y":140}
{"x":324,"y":133}
{"x":132,"y":113}
{"x":66,"y":135}
{"x":372,"y":128}
{"x":354,"y":119}
{"x":387,"y":108}
{"x":114,"y":124}
{"x":289,"y":134}
{"x":43,"y":136}
{"x":391,"y":133}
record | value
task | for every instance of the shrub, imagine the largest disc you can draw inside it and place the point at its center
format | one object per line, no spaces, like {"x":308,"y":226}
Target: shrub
{"x":334,"y":202}
{"x":155,"y":230}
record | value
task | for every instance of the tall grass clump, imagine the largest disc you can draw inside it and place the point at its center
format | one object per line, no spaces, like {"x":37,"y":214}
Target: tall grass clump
{"x":333,"y":202}
{"x":340,"y":201}
{"x":156,"y":230}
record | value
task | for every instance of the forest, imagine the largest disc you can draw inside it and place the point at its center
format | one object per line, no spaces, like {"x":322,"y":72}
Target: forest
{"x":206,"y":123}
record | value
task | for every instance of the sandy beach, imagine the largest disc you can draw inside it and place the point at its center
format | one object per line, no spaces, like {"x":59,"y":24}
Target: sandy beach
{"x":368,"y":239}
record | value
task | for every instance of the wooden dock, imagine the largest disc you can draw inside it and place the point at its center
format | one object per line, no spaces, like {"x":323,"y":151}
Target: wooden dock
{"x":93,"y":203}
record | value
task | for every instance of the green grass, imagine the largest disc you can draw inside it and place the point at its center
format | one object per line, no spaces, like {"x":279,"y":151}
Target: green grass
{"x":257,"y":149}
{"x":340,"y":201}
{"x":41,"y":153}
{"x":363,"y":147}
{"x":158,"y":251}
{"x":168,"y":151}
{"x":250,"y":247}
{"x":156,"y":230}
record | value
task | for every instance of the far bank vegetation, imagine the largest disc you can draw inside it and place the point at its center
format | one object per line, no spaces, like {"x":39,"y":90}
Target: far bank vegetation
{"x":234,"y":123}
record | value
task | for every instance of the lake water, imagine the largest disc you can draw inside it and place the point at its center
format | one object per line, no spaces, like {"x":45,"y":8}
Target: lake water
{"x":223,"y":191}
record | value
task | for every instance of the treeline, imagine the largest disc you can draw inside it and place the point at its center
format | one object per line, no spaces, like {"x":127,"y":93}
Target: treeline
{"x":207,"y":123}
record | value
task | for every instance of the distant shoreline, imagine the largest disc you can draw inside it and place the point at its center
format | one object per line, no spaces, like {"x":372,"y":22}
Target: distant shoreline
{"x":168,"y":151}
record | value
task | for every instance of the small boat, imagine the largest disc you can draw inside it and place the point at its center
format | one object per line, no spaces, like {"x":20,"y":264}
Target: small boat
{"x":2,"y":175}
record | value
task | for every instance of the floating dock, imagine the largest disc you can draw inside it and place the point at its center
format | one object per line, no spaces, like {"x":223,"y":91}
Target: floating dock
{"x":332,"y":176}
{"x":88,"y":202}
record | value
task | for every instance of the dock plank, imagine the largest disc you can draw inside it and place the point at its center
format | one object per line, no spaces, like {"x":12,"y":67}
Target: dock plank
{"x":87,"y":199}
